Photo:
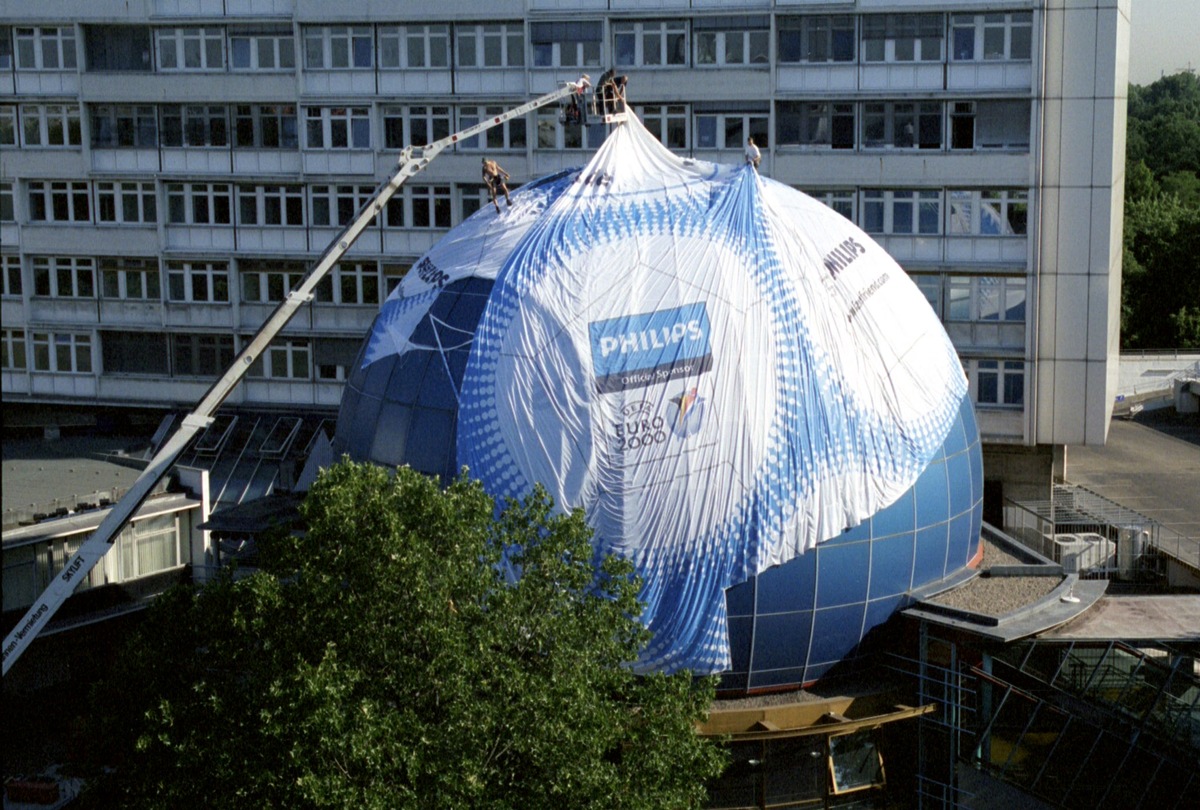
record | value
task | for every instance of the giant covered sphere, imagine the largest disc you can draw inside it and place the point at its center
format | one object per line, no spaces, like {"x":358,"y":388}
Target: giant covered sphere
{"x":744,"y":393}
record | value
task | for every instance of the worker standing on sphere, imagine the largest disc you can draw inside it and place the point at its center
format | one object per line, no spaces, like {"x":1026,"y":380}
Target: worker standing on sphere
{"x":496,"y":179}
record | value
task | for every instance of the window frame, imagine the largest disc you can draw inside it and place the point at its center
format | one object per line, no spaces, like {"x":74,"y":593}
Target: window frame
{"x":55,"y":347}
{"x":402,"y":41}
{"x":209,"y":54}
{"x":923,"y":206}
{"x":817,"y":34}
{"x":194,"y":126}
{"x":902,"y":38}
{"x":510,"y":136}
{"x":320,"y":47}
{"x":124,"y":271}
{"x":183,"y":275}
{"x":200,"y":348}
{"x":509,"y":37}
{"x":14,"y":346}
{"x":275,"y":205}
{"x":435,"y":119}
{"x":571,"y":44}
{"x":833,"y":121}
{"x":257,"y":117}
{"x":281,"y":44}
{"x":43,"y":117}
{"x":33,"y":44}
{"x":343,"y":199}
{"x":120,"y":195}
{"x":749,"y":35}
{"x":46,"y":196}
{"x":640,"y":33}
{"x":186,"y":200}
{"x":281,"y":360}
{"x":324,"y":127}
{"x":124,"y":126}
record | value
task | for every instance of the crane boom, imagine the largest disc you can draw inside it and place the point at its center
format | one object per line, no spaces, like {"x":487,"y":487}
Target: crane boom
{"x":412,"y":160}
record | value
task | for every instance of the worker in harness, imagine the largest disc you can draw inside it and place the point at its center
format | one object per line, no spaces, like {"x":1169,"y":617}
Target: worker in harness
{"x":496,"y":179}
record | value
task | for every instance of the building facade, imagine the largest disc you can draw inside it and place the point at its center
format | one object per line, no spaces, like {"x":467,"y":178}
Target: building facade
{"x":170,"y":168}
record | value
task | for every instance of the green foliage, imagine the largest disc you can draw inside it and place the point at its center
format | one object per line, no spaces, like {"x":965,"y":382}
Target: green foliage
{"x":383,"y":660}
{"x":1161,"y":274}
{"x":1161,"y":257}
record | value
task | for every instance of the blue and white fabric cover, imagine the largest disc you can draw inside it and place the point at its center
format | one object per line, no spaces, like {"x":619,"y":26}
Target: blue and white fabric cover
{"x":719,"y":370}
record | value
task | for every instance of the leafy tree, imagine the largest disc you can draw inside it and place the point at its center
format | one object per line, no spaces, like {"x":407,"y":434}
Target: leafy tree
{"x":383,"y":659}
{"x":1161,"y":273}
{"x":1161,"y":264}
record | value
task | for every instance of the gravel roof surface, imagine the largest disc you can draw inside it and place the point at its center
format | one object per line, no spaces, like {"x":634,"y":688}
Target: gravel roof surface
{"x":994,"y":554}
{"x":996,"y":596}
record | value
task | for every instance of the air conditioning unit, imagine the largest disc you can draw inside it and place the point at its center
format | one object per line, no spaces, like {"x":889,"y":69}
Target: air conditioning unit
{"x":1084,"y":552}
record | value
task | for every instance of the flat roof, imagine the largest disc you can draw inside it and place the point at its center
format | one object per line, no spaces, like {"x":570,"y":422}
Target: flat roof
{"x":71,"y":469}
{"x":1134,"y":618}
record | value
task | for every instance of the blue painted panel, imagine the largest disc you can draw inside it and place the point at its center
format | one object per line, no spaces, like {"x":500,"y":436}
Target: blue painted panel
{"x":840,"y":570}
{"x":788,"y":587}
{"x":891,"y":565}
{"x":781,"y":638}
{"x":836,"y":632}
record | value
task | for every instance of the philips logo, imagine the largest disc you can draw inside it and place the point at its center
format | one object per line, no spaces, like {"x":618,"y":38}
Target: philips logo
{"x":646,"y":340}
{"x":634,"y":351}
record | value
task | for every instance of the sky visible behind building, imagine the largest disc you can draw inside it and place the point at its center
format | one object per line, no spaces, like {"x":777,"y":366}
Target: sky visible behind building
{"x":1164,"y":39}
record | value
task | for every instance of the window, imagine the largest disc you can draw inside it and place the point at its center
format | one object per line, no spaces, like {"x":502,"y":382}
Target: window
{"x":134,"y":353}
{"x":902,"y":125}
{"x":8,"y":125}
{"x":337,"y":205}
{"x":64,"y":277}
{"x":200,"y":355}
{"x":149,"y":546}
{"x":1000,"y":383}
{"x":501,"y":45}
{"x":816,"y":39}
{"x":393,"y":274}
{"x":199,"y":204}
{"x":128,"y":278}
{"x":554,"y":135}
{"x":269,"y":281}
{"x":991,"y":36}
{"x":123,"y":127}
{"x":995,"y":212}
{"x":62,"y":352}
{"x":985,"y":298}
{"x":989,"y":124}
{"x":351,"y":283}
{"x":414,"y":125}
{"x":509,"y":135}
{"x":566,"y":44}
{"x":197,"y":282}
{"x":190,"y":48}
{"x":12,"y":350}
{"x":902,"y":212}
{"x":333,"y":356}
{"x":265,"y":50}
{"x":854,"y":761}
{"x":668,"y":123}
{"x":285,"y":359}
{"x":337,"y":47}
{"x":839,"y":200}
{"x":650,"y":43}
{"x":414,"y":46}
{"x":195,"y":125}
{"x":265,"y":126}
{"x":126,"y":202}
{"x":723,"y":41}
{"x":473,"y":197}
{"x":124,"y":48}
{"x":45,"y":48}
{"x":8,"y":202}
{"x":271,"y":205}
{"x":815,"y":123}
{"x":51,"y":125}
{"x":11,"y":266}
{"x":337,"y":127}
{"x":902,"y":37}
{"x":728,"y":128}
{"x":430,"y":206}
{"x":6,"y":55}
{"x":59,"y":201}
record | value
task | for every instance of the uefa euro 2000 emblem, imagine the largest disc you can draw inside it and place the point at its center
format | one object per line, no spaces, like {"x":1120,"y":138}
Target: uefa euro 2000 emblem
{"x":685,"y":412}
